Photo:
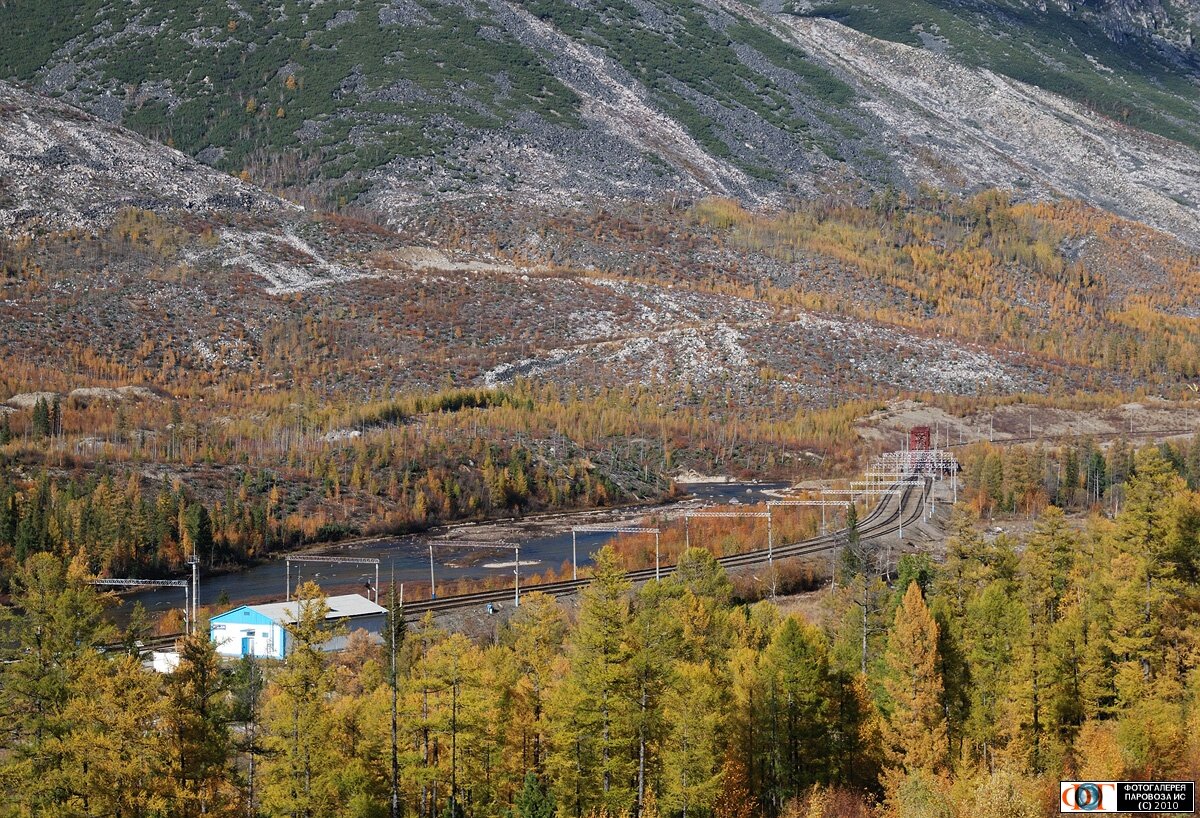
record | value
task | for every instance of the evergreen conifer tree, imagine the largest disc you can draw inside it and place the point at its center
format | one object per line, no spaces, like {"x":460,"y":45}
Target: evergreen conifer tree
{"x":917,"y":721}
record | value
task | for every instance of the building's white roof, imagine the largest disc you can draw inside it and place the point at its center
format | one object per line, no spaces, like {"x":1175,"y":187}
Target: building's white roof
{"x":340,"y":607}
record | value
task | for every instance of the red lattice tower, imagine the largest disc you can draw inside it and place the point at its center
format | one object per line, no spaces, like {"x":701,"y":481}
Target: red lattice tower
{"x":920,"y":439}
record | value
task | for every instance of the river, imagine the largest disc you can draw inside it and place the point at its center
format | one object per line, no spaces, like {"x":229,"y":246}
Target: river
{"x":545,"y":543}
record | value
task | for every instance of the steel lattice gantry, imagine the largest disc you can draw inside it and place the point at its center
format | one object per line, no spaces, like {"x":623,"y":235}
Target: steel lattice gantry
{"x":186,"y":585}
{"x":821,"y":504}
{"x":334,"y":560}
{"x":480,"y":545}
{"x":687,"y":529}
{"x":613,"y":529}
{"x":933,"y":461}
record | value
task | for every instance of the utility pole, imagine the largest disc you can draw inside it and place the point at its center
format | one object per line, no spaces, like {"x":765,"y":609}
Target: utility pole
{"x":331,"y":560}
{"x":483,"y":545}
{"x":616,"y":528}
{"x":395,"y":615}
{"x":195,"y":563}
{"x":771,"y":537}
{"x":252,"y":731}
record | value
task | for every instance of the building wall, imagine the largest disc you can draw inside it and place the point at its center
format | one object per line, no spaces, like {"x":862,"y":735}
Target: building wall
{"x":270,"y":640}
{"x":373,"y":624}
{"x":265,"y":640}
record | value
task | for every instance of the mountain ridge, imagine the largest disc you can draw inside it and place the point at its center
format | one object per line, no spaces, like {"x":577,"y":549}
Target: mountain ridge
{"x":61,"y":168}
{"x":398,"y":103}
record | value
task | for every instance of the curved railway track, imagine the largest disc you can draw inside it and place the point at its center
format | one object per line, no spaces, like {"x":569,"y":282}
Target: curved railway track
{"x":884,"y":519}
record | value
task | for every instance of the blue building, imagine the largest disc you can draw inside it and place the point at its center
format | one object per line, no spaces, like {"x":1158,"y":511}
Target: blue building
{"x":261,"y":630}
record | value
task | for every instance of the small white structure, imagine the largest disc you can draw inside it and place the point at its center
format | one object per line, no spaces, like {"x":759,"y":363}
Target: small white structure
{"x":164,"y":661}
{"x":261,"y":630}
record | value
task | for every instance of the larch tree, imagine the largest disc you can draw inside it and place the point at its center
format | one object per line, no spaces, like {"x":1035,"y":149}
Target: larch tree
{"x":858,"y":606}
{"x":1045,"y":668}
{"x":49,"y":651}
{"x":695,"y":720}
{"x":294,"y":773}
{"x":797,"y":713}
{"x":654,"y":638}
{"x":198,"y":718}
{"x":964,"y":569}
{"x":458,"y":714}
{"x":994,"y":634}
{"x":393,"y":639}
{"x":737,"y":798}
{"x":916,"y":718}
{"x":597,"y":728}
{"x":1143,"y":575}
{"x":115,"y":755}
{"x":421,"y":692}
{"x":535,"y":634}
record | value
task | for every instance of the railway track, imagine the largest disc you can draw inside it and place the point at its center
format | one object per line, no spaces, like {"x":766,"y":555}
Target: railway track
{"x":884,"y":519}
{"x":1012,"y":441}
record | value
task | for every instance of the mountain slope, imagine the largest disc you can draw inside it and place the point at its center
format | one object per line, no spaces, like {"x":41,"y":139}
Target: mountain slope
{"x":397,"y":102}
{"x":62,"y":169}
{"x":984,"y":126}
{"x":1131,"y":60}
{"x":145,"y":261}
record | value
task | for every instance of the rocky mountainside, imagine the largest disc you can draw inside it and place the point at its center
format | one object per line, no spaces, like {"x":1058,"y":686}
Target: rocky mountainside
{"x":396,"y":102}
{"x":61,"y":168}
{"x":1169,"y":25}
{"x":122,"y":254}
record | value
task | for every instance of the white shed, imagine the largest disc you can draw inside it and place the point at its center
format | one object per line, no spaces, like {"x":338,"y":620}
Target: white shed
{"x":260,"y":630}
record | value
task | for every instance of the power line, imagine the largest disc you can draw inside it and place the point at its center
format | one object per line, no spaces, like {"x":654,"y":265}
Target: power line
{"x":346,"y":560}
{"x":188,"y":623}
{"x":480,"y":545}
{"x":613,"y":529}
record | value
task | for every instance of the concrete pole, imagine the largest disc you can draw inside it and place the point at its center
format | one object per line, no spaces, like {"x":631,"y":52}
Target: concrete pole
{"x":517,"y":584}
{"x":657,"y":575}
{"x":432,"y":585}
{"x":574,"y":559}
{"x":770,"y":538}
